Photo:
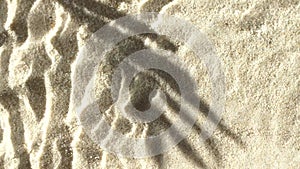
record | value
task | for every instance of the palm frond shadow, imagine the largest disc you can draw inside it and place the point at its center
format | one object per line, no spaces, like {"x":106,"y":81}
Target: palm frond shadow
{"x":142,"y":103}
{"x":104,"y":12}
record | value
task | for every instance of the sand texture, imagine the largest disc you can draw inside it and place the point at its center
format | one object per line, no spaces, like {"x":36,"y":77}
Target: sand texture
{"x":258,"y":43}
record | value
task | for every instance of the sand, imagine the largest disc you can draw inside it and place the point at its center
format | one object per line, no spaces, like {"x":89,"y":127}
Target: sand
{"x":258,"y":43}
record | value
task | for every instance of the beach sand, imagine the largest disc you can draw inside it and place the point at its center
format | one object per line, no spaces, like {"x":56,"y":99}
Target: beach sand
{"x":258,"y":43}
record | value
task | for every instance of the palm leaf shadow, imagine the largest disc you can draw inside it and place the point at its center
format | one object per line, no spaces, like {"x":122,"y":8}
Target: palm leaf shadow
{"x":143,"y":103}
{"x":77,"y":10}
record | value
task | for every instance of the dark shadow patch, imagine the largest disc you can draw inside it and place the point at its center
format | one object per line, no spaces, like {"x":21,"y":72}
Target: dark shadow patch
{"x":3,"y":37}
{"x":145,"y":82}
{"x":67,"y":47}
{"x":154,"y":5}
{"x":37,"y":96}
{"x":41,"y":19}
{"x":286,"y":3}
{"x":10,"y":102}
{"x":99,"y":8}
{"x":2,"y":162}
{"x":189,"y":154}
{"x":4,"y":64}
{"x":3,"y":13}
{"x":19,"y":24}
{"x":77,"y":10}
{"x":211,"y":145}
{"x":229,"y":133}
{"x":255,"y":19}
{"x":188,"y":151}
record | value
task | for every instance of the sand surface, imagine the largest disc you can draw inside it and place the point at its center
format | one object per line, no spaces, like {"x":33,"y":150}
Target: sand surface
{"x":258,"y":43}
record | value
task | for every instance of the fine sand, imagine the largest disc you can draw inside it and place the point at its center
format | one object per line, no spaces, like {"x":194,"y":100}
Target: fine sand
{"x":258,"y":43}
